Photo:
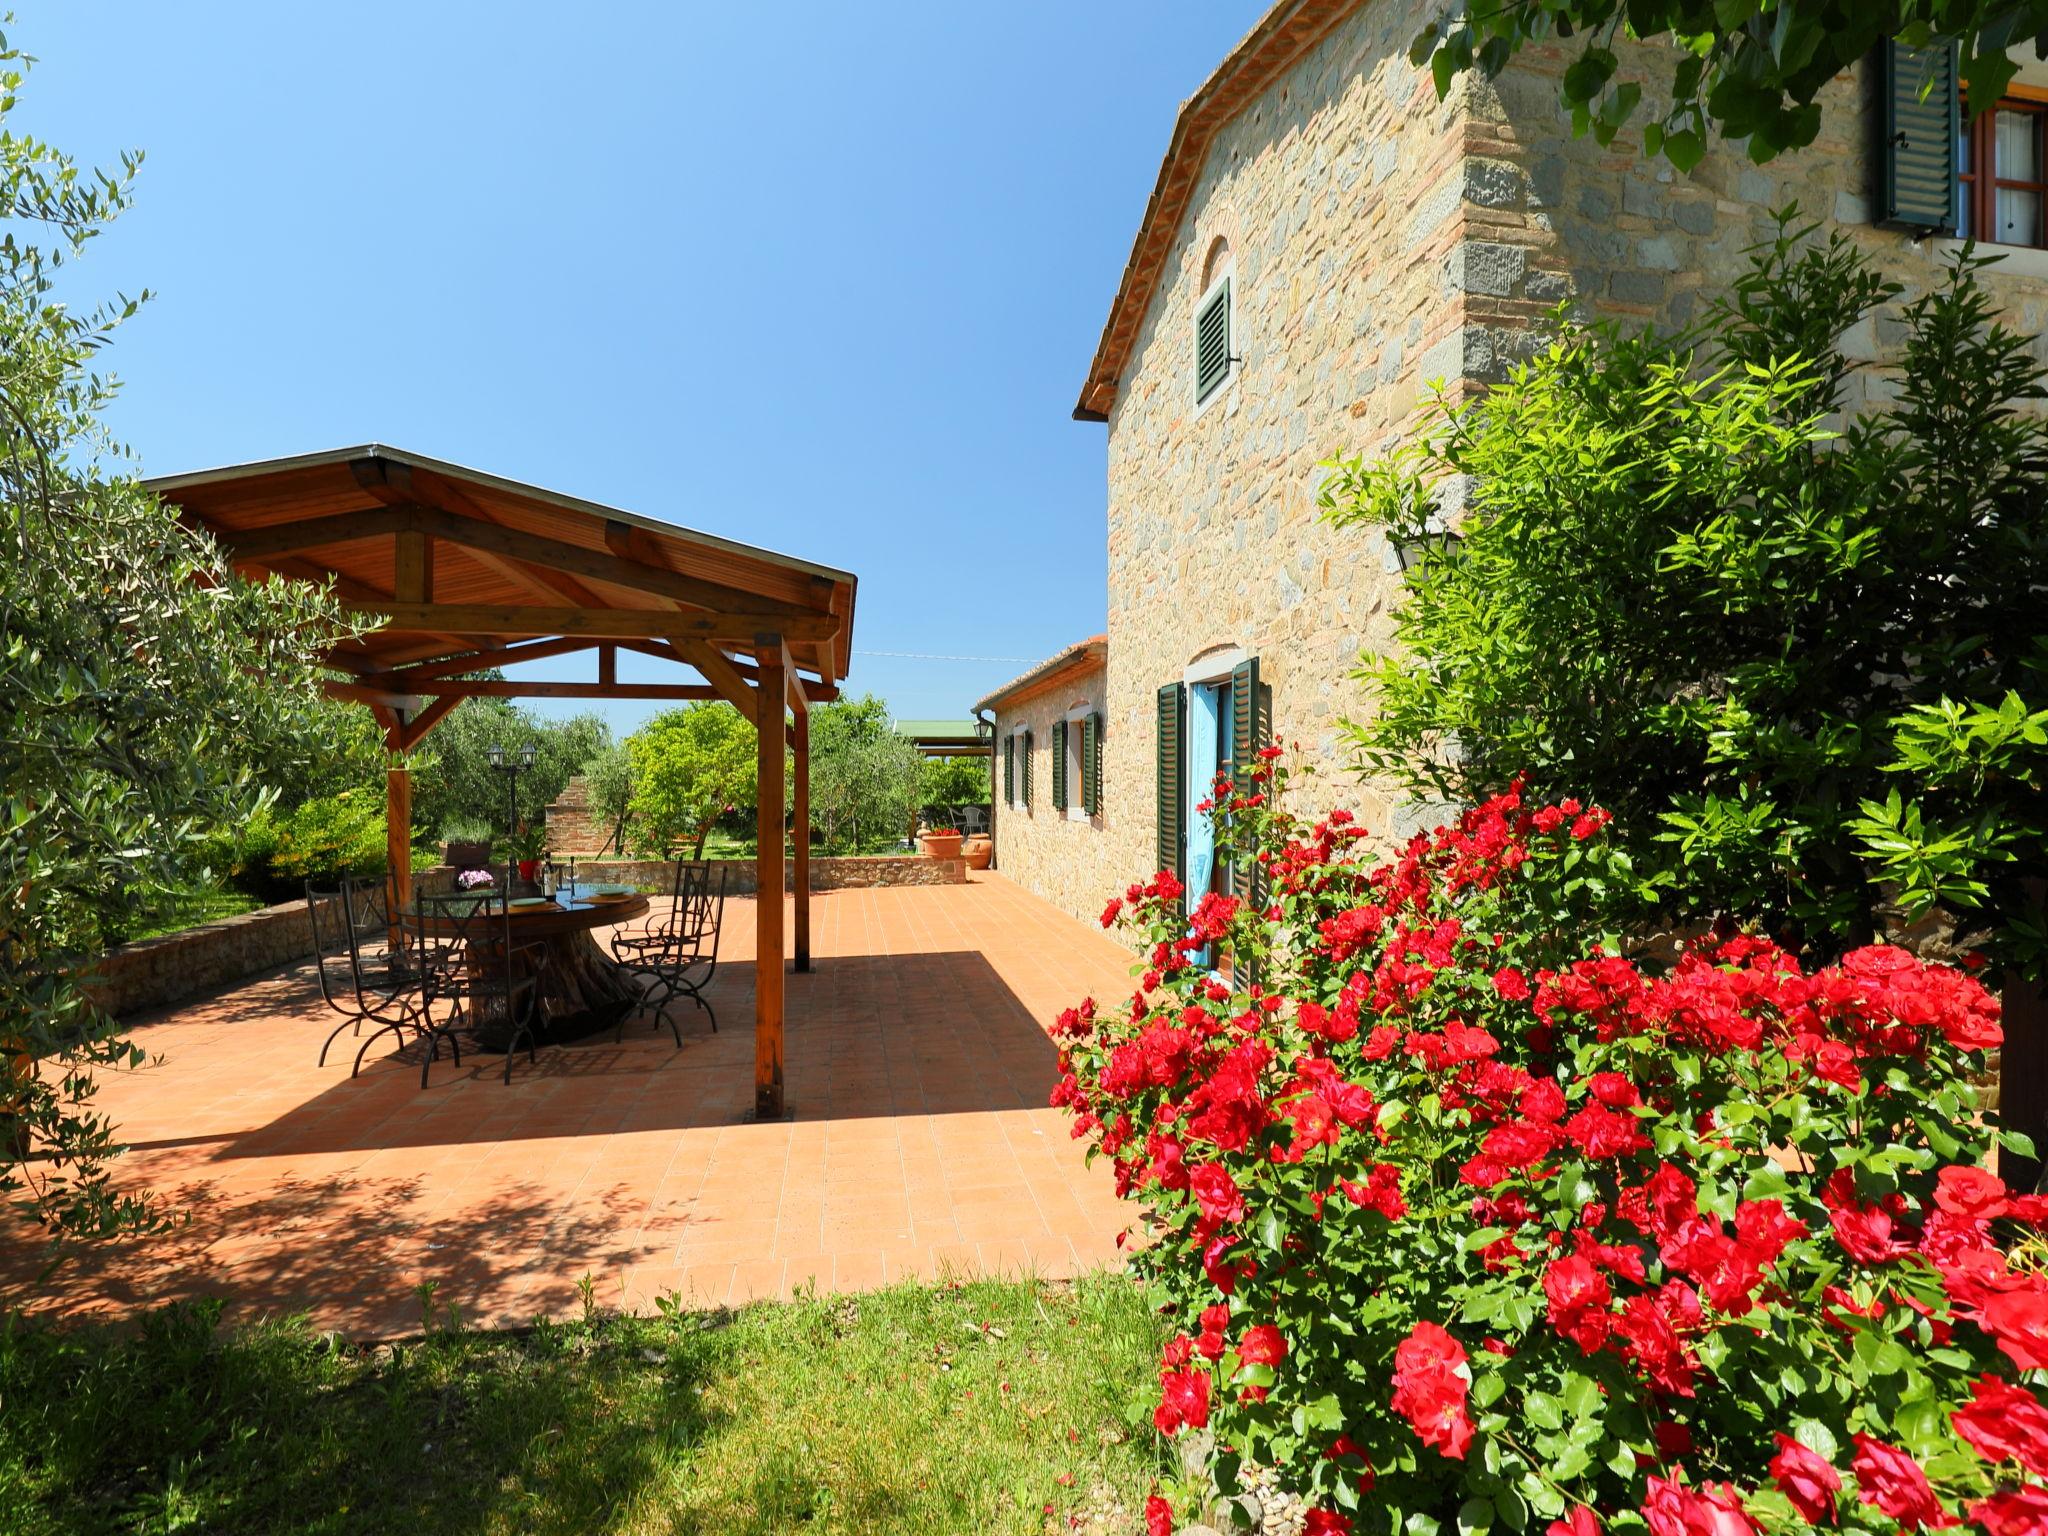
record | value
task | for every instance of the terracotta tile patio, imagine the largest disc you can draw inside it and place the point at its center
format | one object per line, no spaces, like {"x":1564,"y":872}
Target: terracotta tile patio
{"x":917,"y":1071}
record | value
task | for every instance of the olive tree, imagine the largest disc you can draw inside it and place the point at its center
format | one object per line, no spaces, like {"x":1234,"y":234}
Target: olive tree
{"x":690,"y":766}
{"x":140,"y":682}
{"x":1747,"y":69}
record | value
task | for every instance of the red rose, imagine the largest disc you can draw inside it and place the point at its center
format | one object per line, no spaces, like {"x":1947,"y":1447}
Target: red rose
{"x":1211,"y":1344}
{"x":1183,"y":1401}
{"x":1511,"y":984}
{"x":1672,"y":1509}
{"x":2005,"y":1423}
{"x":1970,"y":1192}
{"x":2022,"y":1512}
{"x":1158,"y":1517}
{"x":1261,"y":1345}
{"x":1217,"y":1193}
{"x":1805,"y":1478}
{"x":1431,"y":1379}
{"x":1865,"y":1233}
{"x":1326,"y":1522}
{"x":1614,"y":1090}
{"x":1578,"y":1521}
{"x":1110,"y":912}
{"x":1893,"y":1482}
{"x":2018,"y":1320}
{"x":1578,"y":1297}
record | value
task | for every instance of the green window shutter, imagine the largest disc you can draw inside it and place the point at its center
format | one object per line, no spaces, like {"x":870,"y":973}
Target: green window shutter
{"x":1212,"y":343}
{"x":1024,"y":770}
{"x":1059,"y":765}
{"x":1167,"y":772}
{"x":1917,"y":153}
{"x":1091,"y":765}
{"x":1247,"y":736}
{"x":1009,"y":770}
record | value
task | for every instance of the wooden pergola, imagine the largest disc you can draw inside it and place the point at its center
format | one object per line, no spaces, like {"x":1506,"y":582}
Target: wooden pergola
{"x":464,"y":572}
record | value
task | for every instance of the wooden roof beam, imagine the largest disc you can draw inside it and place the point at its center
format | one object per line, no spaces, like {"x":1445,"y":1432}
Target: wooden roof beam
{"x":601,"y":623}
{"x":477,"y":661}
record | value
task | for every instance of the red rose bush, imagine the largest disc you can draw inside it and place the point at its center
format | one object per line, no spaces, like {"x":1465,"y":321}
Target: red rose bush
{"x":1460,"y":1217}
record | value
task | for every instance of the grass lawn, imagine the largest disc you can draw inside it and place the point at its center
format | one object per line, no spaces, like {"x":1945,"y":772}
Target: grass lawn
{"x":188,"y":909}
{"x":981,"y":1407}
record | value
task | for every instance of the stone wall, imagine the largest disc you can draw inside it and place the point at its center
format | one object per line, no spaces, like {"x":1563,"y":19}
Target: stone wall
{"x":742,"y":878}
{"x":1065,"y":856}
{"x":1378,"y":240}
{"x":1631,"y":238}
{"x":1335,"y":192}
{"x":152,"y":973}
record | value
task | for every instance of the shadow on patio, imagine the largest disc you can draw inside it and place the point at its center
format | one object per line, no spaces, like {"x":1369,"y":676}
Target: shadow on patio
{"x":917,"y":1066}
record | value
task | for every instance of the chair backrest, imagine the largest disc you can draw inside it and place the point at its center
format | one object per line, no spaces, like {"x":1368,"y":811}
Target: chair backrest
{"x":333,"y":942}
{"x":697,"y":902}
{"x":369,"y":906}
{"x":450,"y":934}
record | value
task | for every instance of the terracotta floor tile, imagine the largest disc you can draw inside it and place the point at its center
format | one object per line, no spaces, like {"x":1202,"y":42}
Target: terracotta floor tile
{"x":918,"y":1067}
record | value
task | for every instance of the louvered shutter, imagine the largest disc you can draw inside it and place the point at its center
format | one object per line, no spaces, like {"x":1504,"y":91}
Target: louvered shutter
{"x":1091,"y":764}
{"x":1024,"y":769}
{"x":1059,"y":765}
{"x":1212,"y":342}
{"x":1172,"y":819}
{"x":1917,"y":155}
{"x":1009,"y":770}
{"x":1247,"y":736}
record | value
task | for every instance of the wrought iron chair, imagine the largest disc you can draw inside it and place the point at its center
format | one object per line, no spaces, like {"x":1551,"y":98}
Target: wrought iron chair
{"x":376,"y":987}
{"x":468,"y":961}
{"x":677,"y":954}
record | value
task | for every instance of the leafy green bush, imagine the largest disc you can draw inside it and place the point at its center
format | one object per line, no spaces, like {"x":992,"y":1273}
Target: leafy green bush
{"x":1466,"y":1221}
{"x":1803,"y":662}
{"x":274,"y":854}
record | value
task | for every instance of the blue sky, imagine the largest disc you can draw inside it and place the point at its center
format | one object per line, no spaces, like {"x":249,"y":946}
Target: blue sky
{"x":821,"y":277}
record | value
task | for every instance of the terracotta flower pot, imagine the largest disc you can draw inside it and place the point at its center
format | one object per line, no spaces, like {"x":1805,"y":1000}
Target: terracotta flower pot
{"x":978,"y":851}
{"x":939,"y":845}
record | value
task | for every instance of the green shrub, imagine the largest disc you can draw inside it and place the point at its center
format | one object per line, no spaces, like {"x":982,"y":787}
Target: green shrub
{"x":1801,"y":660}
{"x":323,"y":840}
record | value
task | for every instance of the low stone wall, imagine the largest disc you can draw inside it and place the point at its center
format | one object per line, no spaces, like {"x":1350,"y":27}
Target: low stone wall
{"x":827,"y":874}
{"x":152,"y":973}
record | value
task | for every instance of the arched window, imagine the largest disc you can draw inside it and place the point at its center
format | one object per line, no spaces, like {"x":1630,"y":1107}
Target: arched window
{"x":1213,"y":323}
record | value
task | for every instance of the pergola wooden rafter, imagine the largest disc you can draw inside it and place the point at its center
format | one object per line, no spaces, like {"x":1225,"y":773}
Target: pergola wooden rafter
{"x":464,"y":572}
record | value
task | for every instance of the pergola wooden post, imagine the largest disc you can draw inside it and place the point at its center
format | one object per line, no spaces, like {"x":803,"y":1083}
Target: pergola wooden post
{"x":454,"y":574}
{"x":800,"y":833}
{"x":771,"y":732}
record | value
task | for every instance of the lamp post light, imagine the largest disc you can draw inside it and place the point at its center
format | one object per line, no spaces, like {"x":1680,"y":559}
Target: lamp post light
{"x":512,"y":765}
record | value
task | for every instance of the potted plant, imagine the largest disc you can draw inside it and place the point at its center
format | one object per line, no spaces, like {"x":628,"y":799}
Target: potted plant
{"x":465,"y":845}
{"x":526,"y":848}
{"x":939,"y":842}
{"x":978,"y":850}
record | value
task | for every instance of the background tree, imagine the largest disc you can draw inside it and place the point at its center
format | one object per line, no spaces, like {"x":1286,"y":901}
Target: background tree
{"x":866,"y":778}
{"x":689,"y":766}
{"x":1803,"y":665}
{"x":453,"y":778}
{"x":955,"y":781}
{"x":1747,"y":68}
{"x":140,"y":681}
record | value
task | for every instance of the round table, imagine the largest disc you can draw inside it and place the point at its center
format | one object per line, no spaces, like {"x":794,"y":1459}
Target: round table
{"x":585,"y":990}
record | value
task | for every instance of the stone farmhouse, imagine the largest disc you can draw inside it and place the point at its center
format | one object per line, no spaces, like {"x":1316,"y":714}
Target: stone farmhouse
{"x":1325,"y":239}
